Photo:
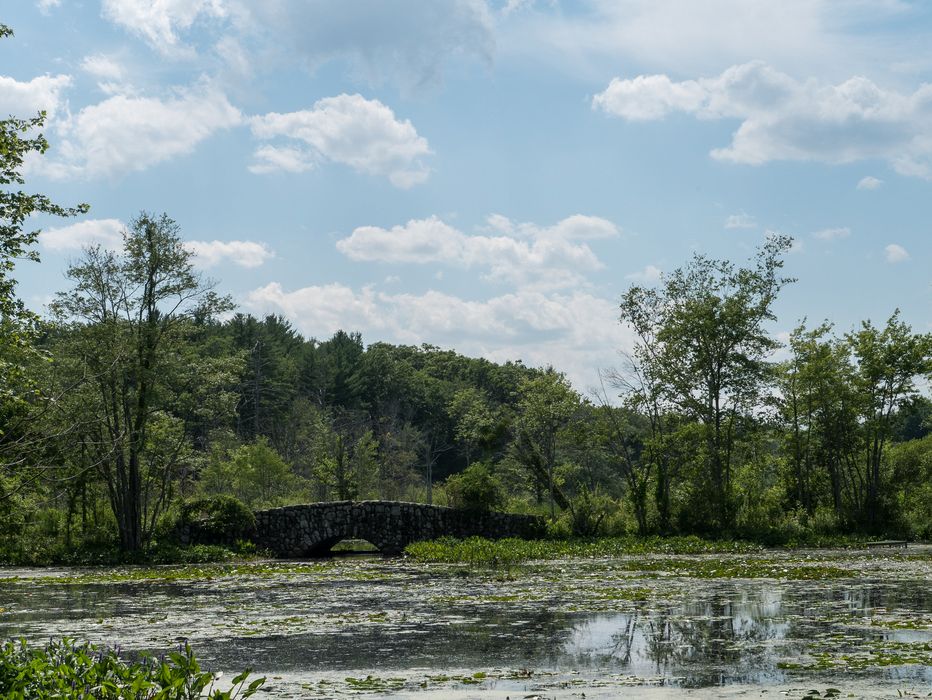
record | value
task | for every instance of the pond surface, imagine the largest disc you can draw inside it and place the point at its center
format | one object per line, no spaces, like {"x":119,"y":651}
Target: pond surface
{"x":697,"y":626}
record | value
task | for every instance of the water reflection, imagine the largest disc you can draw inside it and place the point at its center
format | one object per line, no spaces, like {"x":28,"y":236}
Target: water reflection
{"x":694,"y":634}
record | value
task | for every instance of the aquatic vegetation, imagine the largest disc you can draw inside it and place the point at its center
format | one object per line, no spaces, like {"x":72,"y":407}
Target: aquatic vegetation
{"x":477,"y":551}
{"x":198,"y":573}
{"x":399,"y":627}
{"x":740,"y":568}
{"x":65,"y":669}
{"x":874,"y":654}
{"x":375,"y":683}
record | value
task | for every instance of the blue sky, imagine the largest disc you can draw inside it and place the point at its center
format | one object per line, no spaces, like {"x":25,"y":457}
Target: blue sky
{"x":489,"y":175}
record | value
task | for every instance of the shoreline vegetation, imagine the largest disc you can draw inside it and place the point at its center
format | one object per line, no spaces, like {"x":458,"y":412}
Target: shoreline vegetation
{"x":474,"y":550}
{"x":69,"y":669}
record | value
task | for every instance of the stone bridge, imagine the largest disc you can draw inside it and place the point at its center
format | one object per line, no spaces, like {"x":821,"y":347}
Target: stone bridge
{"x":311,"y":530}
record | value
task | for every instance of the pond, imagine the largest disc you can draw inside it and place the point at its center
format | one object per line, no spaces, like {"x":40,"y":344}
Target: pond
{"x":699,"y":626}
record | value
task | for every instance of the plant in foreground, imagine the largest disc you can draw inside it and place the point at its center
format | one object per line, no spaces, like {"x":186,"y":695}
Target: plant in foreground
{"x":67,"y":670}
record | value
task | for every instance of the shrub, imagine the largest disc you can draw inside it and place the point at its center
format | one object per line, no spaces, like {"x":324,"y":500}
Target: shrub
{"x":587,"y":512}
{"x":475,"y":488}
{"x":66,"y":669}
{"x":217,"y":519}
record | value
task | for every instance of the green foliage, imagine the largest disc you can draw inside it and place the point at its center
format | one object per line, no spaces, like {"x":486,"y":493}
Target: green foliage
{"x":910,"y":466}
{"x":256,"y":475}
{"x":64,"y":670}
{"x":546,"y":406}
{"x":703,"y":351}
{"x":475,"y":488}
{"x":588,"y":511}
{"x":218,"y":518}
{"x":19,"y":138}
{"x":478,"y":551}
{"x":132,"y":317}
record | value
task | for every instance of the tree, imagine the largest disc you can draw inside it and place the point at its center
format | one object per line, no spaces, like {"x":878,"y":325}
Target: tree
{"x":18,"y":138}
{"x":546,"y":405}
{"x":888,"y":362}
{"x":130,"y":314}
{"x":701,"y":336}
{"x":474,"y":417}
{"x":819,"y":411}
{"x":255,"y":474}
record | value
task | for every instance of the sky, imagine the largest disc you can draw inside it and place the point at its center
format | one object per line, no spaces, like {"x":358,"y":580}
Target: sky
{"x":488,"y":175}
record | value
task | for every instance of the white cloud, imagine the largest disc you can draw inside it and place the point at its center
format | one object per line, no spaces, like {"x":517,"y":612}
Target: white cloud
{"x":869,"y":183}
{"x":895,"y":253}
{"x":741,"y":220}
{"x":45,"y":6}
{"x":107,"y":233}
{"x":649,"y":275}
{"x":242,"y":253}
{"x":25,"y":99}
{"x":348,"y":129}
{"x":832,"y":234}
{"x":270,"y":159}
{"x":524,"y":254}
{"x":782,"y":118}
{"x":102,"y":66}
{"x":159,"y":21}
{"x":124,"y":134}
{"x":574,"y":331}
{"x":679,"y":37}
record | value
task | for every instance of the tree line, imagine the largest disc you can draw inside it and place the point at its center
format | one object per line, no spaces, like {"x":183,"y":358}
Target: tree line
{"x":143,"y":388}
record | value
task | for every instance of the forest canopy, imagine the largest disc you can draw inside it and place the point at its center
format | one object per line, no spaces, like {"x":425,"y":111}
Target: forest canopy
{"x":146,"y":392}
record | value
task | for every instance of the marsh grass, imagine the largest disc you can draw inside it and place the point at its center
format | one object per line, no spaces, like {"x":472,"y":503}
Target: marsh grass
{"x":505,"y":553}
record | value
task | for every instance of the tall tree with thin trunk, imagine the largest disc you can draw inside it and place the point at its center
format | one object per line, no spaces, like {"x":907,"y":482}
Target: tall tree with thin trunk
{"x":888,"y":362}
{"x":130,"y":314}
{"x":546,"y":405}
{"x":702,"y":338}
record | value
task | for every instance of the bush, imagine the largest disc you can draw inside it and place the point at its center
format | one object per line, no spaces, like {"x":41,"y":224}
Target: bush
{"x":475,"y":488}
{"x":587,"y":512}
{"x":217,"y":519}
{"x":65,"y":669}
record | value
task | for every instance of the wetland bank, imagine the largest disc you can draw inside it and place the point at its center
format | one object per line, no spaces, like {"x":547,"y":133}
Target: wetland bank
{"x":756,"y":622}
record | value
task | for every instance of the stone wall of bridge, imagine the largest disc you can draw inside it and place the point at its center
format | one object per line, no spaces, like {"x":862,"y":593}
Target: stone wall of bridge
{"x":311,"y":530}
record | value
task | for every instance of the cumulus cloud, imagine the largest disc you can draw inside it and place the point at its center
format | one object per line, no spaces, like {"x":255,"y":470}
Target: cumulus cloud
{"x":242,"y":253}
{"x":124,"y":134}
{"x":869,"y":183}
{"x":895,"y":253}
{"x":575,"y":331}
{"x":741,"y":220}
{"x":25,"y":99}
{"x":782,"y":118}
{"x":159,"y":21}
{"x":832,"y":234}
{"x":523,"y":254}
{"x":107,"y":233}
{"x":348,"y":129}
